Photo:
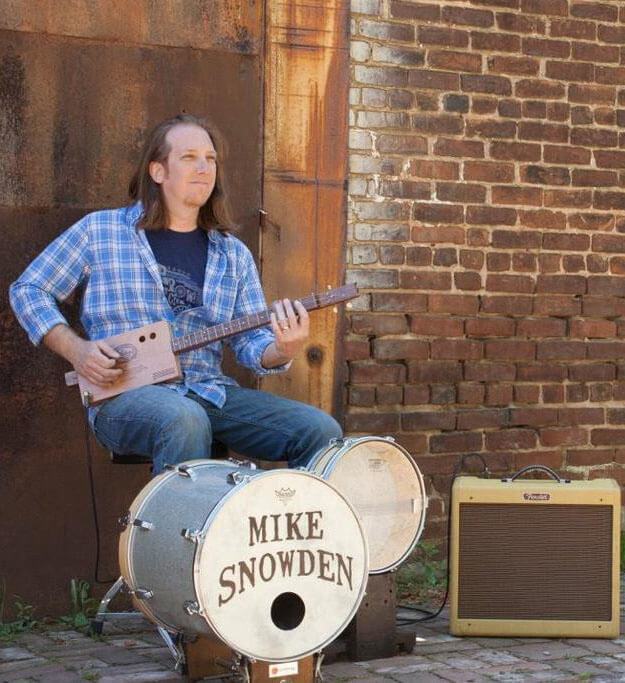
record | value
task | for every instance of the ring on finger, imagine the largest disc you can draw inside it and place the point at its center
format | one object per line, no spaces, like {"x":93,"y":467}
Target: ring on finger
{"x":284,"y":325}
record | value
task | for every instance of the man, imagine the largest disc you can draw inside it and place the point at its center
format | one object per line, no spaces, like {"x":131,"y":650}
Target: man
{"x":168,"y":253}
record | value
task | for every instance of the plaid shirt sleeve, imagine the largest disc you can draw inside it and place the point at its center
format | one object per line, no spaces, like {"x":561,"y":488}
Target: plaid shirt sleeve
{"x":250,"y":346}
{"x":49,"y":279}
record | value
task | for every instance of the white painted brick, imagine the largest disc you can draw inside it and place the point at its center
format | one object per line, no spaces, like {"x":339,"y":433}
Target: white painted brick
{"x":360,"y":139}
{"x":374,"y":97}
{"x":359,"y":50}
{"x":365,"y":7}
{"x":382,"y":119}
{"x":364,"y":254}
{"x":357,"y":186}
{"x":388,"y":232}
{"x":354,"y":95}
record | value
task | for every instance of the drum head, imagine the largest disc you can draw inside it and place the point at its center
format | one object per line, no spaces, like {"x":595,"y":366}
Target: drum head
{"x":385,"y":486}
{"x":282,"y":565}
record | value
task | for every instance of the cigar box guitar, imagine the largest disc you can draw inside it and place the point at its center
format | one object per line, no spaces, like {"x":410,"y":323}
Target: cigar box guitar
{"x":150,"y":353}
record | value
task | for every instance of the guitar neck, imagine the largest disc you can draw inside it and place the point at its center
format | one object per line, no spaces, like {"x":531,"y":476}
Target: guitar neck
{"x":208,"y":335}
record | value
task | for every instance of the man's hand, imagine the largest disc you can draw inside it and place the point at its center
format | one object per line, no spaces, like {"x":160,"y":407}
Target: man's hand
{"x":290,"y":324}
{"x":94,"y":360}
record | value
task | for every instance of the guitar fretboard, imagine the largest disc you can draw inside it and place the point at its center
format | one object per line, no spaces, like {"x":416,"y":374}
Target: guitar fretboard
{"x":208,"y":335}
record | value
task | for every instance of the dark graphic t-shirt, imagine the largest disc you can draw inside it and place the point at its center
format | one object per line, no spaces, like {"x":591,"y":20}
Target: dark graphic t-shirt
{"x":181,"y":258}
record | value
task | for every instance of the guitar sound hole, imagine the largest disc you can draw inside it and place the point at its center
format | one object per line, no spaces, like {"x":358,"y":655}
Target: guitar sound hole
{"x":152,"y":335}
{"x":142,"y":339}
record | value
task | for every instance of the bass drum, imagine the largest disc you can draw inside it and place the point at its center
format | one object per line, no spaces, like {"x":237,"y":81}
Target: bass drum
{"x":385,"y":486}
{"x":273,"y":563}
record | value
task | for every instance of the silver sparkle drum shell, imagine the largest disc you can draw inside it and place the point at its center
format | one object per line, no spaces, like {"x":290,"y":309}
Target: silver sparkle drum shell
{"x":274,"y":563}
{"x":384,"y":484}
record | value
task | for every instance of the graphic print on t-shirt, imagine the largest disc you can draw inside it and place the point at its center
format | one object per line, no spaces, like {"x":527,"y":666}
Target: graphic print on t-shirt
{"x":181,"y":290}
{"x":181,"y":258}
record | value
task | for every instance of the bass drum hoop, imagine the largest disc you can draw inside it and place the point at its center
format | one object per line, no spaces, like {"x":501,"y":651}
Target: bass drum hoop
{"x":349,"y":443}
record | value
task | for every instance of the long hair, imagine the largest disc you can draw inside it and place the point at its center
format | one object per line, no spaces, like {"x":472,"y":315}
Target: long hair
{"x":214,"y":215}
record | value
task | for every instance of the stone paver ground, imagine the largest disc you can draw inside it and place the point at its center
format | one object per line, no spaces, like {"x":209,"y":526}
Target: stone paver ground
{"x":132,"y":651}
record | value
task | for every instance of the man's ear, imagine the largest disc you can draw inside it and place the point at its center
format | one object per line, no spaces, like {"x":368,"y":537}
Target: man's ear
{"x":157,"y":171}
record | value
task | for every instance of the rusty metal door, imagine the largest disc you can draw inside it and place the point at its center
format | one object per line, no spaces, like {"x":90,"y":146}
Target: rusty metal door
{"x":80,"y":83}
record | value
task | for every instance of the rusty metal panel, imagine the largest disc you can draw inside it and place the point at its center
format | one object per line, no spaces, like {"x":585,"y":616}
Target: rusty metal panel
{"x":76,"y":113}
{"x":73,"y":113}
{"x":306,"y":86}
{"x":203,"y":24}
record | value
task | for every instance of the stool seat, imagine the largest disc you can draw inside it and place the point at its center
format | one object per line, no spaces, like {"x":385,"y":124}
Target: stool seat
{"x":218,"y":450}
{"x":130,"y":459}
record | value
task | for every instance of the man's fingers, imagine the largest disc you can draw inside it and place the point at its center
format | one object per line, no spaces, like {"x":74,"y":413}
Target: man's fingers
{"x":304,"y":319}
{"x":104,"y":373}
{"x":289,"y":321}
{"x":101,"y":362}
{"x":103,"y":355}
{"x":278,"y":309}
{"x":98,"y":379}
{"x":290,"y":313}
{"x":277,"y":330}
{"x":301,"y":311}
{"x":107,"y":349}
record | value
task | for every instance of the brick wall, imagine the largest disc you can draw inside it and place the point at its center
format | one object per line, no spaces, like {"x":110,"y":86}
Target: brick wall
{"x":487,"y":232}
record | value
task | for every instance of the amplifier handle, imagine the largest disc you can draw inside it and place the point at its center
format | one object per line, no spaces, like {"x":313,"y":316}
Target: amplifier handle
{"x":542,"y":468}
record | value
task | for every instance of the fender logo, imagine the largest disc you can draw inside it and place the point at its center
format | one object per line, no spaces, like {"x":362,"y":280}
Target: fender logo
{"x":536,"y":496}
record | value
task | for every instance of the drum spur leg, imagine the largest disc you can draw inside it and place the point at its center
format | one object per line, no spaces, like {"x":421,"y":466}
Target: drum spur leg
{"x":97,"y":623}
{"x":318,"y":676}
{"x":241,"y":668}
{"x":174,"y":645}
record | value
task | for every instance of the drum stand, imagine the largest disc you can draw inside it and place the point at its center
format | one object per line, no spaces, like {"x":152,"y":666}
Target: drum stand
{"x":373,"y":632}
{"x":97,"y":623}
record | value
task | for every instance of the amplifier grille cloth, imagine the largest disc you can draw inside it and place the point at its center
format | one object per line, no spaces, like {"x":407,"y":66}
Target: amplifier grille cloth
{"x":535,"y":562}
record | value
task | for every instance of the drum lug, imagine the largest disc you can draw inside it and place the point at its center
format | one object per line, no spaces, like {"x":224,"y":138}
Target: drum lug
{"x":389,"y":438}
{"x":191,"y":607}
{"x":143,"y":593}
{"x":243,"y":463}
{"x":141,"y":523}
{"x":237,"y":478}
{"x":186,"y":471}
{"x":336,"y":441}
{"x":193,"y":535}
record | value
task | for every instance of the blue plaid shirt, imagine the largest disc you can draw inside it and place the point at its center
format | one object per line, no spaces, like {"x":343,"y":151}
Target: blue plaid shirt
{"x":111,"y":261}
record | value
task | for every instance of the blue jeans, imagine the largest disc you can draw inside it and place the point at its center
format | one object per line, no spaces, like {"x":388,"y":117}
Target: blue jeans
{"x":171,"y":428}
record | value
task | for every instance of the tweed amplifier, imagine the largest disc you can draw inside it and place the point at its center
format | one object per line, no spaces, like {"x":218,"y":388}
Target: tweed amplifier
{"x":535,"y":557}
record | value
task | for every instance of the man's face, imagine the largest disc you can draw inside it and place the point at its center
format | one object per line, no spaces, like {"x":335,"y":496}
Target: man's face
{"x":187,"y":178}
